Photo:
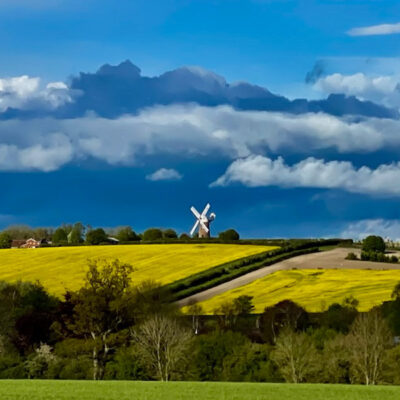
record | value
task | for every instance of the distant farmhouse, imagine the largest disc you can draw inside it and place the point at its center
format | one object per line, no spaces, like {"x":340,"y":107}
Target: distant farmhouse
{"x":28,"y":244}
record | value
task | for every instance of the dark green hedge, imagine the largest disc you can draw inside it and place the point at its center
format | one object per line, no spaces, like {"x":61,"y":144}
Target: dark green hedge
{"x":231,"y":270}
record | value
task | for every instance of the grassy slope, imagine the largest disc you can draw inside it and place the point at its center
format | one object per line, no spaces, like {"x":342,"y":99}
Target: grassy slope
{"x":89,"y":390}
{"x":315,"y":289}
{"x":64,"y":267}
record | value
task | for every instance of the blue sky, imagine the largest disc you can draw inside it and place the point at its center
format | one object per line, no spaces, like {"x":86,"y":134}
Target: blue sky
{"x":126,"y":147}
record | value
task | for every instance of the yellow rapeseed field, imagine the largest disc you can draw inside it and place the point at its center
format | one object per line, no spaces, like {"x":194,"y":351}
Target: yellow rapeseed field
{"x":65,"y":267}
{"x":315,"y":290}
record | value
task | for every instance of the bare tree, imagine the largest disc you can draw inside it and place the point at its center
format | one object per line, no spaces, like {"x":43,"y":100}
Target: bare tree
{"x":295,"y":355}
{"x":163,"y":344}
{"x":366,"y":344}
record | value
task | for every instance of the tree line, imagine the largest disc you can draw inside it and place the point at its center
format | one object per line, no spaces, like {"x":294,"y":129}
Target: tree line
{"x":79,"y":234}
{"x":114,"y":329}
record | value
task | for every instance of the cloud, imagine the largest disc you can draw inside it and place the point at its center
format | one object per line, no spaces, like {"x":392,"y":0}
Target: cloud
{"x":195,"y":131}
{"x":164,"y":174}
{"x":257,"y":170}
{"x":25,"y":93}
{"x":381,"y":89}
{"x":382,"y":227}
{"x":383,"y":29}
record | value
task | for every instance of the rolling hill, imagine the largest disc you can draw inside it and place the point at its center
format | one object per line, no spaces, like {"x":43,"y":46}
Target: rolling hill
{"x":65,"y":267}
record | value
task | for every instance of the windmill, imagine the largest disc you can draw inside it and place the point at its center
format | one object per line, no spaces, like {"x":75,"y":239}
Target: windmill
{"x":203,"y":222}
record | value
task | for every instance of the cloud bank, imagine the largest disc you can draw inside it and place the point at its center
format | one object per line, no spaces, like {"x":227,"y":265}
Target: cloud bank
{"x":381,"y":89}
{"x":25,"y":93}
{"x":382,"y":29}
{"x":257,"y":171}
{"x":188,"y":131}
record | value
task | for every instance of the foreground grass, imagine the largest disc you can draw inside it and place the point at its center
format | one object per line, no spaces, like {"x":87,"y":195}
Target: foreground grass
{"x":89,"y":390}
{"x":65,"y":267}
{"x":314,"y":289}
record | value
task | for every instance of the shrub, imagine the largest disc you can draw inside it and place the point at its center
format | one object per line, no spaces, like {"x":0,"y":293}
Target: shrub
{"x":229,"y":235}
{"x":152,"y":234}
{"x":351,"y":256}
{"x":5,"y":240}
{"x":96,"y":236}
{"x":170,"y":234}
{"x":373,"y":243}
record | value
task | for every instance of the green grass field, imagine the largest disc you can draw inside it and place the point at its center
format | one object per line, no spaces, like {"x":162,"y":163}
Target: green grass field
{"x":313,"y":289}
{"x":61,"y":268}
{"x":89,"y":390}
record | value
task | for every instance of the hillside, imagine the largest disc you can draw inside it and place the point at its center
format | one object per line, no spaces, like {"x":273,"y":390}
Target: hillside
{"x":314,"y":289}
{"x":64,"y":267}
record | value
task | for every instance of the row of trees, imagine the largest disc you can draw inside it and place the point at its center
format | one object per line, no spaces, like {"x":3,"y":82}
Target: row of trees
{"x":79,"y":234}
{"x":112,"y":329}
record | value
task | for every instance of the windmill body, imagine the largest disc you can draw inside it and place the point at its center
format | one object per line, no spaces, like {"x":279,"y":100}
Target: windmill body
{"x":202,"y":223}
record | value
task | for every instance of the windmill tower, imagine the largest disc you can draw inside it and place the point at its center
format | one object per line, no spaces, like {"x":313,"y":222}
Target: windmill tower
{"x":202,"y":222}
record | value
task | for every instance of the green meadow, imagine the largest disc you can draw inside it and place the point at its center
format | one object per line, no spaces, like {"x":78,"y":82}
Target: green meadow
{"x":122,"y":390}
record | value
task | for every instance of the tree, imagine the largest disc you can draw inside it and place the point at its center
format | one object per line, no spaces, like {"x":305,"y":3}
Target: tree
{"x":152,"y":234}
{"x":229,"y":235}
{"x":366,"y":346}
{"x":340,"y":316}
{"x":170,"y":234}
{"x":283,"y":314}
{"x":101,"y":307}
{"x":184,"y":236}
{"x":75,"y":236}
{"x":96,"y":236}
{"x":295,"y":355}
{"x":126,"y":234}
{"x":373,"y":243}
{"x":60,"y":236}
{"x":163,"y":343}
{"x":5,"y":240}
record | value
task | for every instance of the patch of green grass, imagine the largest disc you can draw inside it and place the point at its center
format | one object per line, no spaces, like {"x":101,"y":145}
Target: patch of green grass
{"x":110,"y":390}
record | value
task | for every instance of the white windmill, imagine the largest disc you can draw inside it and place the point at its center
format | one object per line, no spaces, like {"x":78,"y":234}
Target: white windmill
{"x":203,"y":222}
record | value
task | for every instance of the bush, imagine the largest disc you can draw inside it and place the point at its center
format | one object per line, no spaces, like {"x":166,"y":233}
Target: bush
{"x":170,"y":234}
{"x":96,"y":236}
{"x":152,"y":234}
{"x":229,"y":235}
{"x":5,"y":240}
{"x":373,"y":243}
{"x":126,"y":234}
{"x":351,"y":256}
{"x":60,"y":236}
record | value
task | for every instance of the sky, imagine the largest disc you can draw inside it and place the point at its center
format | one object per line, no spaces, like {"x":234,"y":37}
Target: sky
{"x":284,"y":115}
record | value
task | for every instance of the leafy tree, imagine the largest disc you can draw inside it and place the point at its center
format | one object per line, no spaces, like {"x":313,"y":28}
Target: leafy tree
{"x":60,"y":236}
{"x":366,"y":346}
{"x":283,"y":314}
{"x":184,"y":236}
{"x":5,"y":240}
{"x":75,"y":236}
{"x":96,"y":236}
{"x":295,"y":355}
{"x":170,"y":234}
{"x":339,"y":317}
{"x":373,"y":243}
{"x":163,"y":344}
{"x":211,"y":350}
{"x":126,"y":234}
{"x":102,"y":306}
{"x":229,"y":235}
{"x":152,"y":234}
{"x":243,"y":305}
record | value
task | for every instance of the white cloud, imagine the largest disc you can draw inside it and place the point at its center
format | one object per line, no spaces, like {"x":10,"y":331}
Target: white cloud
{"x":382,"y":29}
{"x":256,"y":171}
{"x":191,"y":130}
{"x":381,"y":89}
{"x":25,"y":93}
{"x":381,"y":227}
{"x":164,"y":174}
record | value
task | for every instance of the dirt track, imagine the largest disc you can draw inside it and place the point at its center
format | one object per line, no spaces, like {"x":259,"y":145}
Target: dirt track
{"x":332,"y":259}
